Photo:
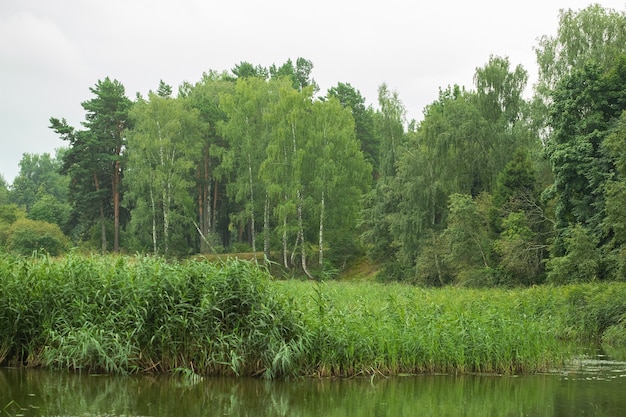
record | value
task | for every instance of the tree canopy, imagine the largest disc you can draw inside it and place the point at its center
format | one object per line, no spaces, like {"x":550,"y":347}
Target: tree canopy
{"x":490,"y":187}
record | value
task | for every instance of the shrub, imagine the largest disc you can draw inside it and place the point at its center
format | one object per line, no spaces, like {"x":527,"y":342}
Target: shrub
{"x":49,"y":209}
{"x":27,"y":236}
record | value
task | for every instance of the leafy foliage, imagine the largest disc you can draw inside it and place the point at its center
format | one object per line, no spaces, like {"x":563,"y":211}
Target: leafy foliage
{"x":584,"y":107}
{"x":93,"y":160}
{"x":26,"y":236}
{"x":254,"y":156}
{"x":39,"y":175}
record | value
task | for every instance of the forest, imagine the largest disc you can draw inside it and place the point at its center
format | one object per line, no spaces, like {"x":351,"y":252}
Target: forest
{"x":489,"y":188}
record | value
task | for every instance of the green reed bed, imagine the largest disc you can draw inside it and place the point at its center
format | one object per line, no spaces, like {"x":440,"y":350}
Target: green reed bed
{"x":393,"y":329}
{"x":365,"y":328}
{"x":143,"y":314}
{"x":124,"y":315}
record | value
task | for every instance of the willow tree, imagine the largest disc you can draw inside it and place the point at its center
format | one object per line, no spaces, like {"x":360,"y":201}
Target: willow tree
{"x":466,"y":139}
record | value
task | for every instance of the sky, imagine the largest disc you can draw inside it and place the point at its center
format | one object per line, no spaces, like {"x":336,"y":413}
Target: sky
{"x":53,"y":52}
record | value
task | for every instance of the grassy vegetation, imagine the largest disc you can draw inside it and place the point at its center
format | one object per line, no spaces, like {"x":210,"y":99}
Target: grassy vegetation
{"x":123,"y":315}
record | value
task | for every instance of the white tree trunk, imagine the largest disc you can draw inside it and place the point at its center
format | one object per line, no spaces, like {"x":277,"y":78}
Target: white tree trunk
{"x":266,"y":227}
{"x":302,"y":241}
{"x":155,"y":247}
{"x":252,"y":225}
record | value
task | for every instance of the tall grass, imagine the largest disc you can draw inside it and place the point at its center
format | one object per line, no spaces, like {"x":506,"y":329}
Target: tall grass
{"x":143,"y":314}
{"x":393,"y":329}
{"x":124,"y":315}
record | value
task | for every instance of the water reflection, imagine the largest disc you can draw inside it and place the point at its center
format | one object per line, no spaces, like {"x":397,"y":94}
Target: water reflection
{"x":571,"y":392}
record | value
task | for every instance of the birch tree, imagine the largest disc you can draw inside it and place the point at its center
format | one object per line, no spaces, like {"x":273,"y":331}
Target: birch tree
{"x":286,"y":165}
{"x":162,"y":147}
{"x":339,"y":176}
{"x":247,"y":137}
{"x":210,"y":176}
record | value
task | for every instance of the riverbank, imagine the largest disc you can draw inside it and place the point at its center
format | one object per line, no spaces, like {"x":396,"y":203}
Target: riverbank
{"x":141,"y":314}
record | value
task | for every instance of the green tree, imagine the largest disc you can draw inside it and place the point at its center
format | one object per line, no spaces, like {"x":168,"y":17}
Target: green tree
{"x":299,"y":74}
{"x":594,"y":34}
{"x":162,"y":149}
{"x":247,"y":136}
{"x":614,"y":223}
{"x":49,"y":209}
{"x":39,"y":173}
{"x":463,"y":144}
{"x":581,"y":261}
{"x":86,"y":195}
{"x":211,"y":177}
{"x":4,"y":191}
{"x":107,"y":119}
{"x":339,"y":176}
{"x":352,"y":99}
{"x":9,"y":214}
{"x":390,"y":126}
{"x":517,"y":181}
{"x":471,"y":248}
{"x":285,"y":169}
{"x":499,"y":91}
{"x":442,"y":157}
{"x":586,"y":104}
{"x":520,"y":222}
{"x":613,"y":147}
{"x":432,"y":266}
{"x":246,"y":70}
{"x":94,"y":159}
{"x":381,"y":203}
{"x":520,"y":251}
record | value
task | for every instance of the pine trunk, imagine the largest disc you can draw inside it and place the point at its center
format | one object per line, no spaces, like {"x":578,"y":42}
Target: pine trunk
{"x":103,"y":229}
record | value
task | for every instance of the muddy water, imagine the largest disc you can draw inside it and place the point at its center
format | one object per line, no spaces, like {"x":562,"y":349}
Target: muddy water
{"x":592,"y":385}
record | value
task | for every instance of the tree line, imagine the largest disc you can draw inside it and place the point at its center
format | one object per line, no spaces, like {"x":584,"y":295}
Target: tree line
{"x":489,"y":188}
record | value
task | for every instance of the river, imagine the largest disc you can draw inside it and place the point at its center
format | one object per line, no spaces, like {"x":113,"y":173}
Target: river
{"x":592,"y":385}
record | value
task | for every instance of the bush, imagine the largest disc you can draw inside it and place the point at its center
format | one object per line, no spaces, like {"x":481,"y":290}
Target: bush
{"x":26,"y":236}
{"x":49,"y":209}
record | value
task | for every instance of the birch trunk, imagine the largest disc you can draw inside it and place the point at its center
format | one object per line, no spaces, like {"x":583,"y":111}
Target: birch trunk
{"x":155,"y":247}
{"x":252,"y":225}
{"x":301,"y":233}
{"x":266,"y":227}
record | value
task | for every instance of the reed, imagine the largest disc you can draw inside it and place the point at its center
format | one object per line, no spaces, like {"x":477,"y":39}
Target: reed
{"x":393,"y":329}
{"x":144,"y":314}
{"x":122,"y":315}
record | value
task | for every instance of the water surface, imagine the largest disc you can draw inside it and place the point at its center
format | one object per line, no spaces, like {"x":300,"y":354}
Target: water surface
{"x":590,"y":386}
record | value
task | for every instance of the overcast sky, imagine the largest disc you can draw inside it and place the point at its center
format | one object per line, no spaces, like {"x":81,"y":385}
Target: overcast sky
{"x":52,"y":52}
